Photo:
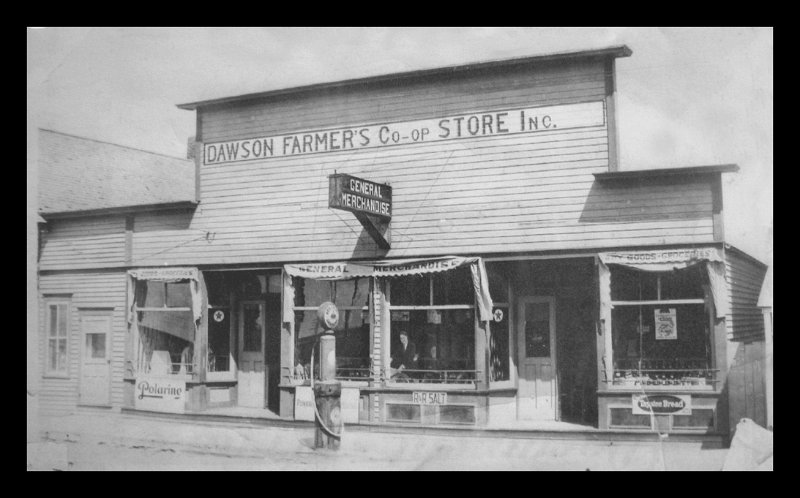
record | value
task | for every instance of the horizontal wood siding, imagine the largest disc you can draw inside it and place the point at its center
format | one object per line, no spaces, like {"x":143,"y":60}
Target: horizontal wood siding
{"x":744,"y":321}
{"x":88,"y":290}
{"x":505,"y":193}
{"x":82,"y":243}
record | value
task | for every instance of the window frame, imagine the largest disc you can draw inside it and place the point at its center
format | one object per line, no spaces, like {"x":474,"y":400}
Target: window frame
{"x":49,"y":303}
{"x":706,"y":301}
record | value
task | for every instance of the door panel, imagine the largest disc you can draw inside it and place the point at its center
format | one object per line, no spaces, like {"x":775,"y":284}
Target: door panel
{"x":251,"y":375}
{"x":537,"y":390}
{"x":95,"y":359}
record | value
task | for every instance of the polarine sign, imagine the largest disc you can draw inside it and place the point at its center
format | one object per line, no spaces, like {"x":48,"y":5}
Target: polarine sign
{"x":465,"y":126}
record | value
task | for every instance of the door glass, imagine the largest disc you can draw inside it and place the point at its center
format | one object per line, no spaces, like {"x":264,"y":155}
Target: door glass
{"x":253,"y":323}
{"x":95,"y":345}
{"x":537,"y":330}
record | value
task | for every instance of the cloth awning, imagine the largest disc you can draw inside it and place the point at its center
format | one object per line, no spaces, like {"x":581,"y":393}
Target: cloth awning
{"x":667,"y":260}
{"x":393,"y":268}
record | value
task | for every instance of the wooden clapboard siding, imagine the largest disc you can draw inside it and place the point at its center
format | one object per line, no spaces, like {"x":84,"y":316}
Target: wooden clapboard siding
{"x":744,"y":277}
{"x":86,"y":290}
{"x":82,"y":243}
{"x":544,"y":84}
{"x":746,"y":385}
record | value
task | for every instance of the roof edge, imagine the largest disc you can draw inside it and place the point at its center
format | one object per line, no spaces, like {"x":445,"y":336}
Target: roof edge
{"x":753,"y":259}
{"x":665,"y":172}
{"x":616,"y":51}
{"x":118,"y":210}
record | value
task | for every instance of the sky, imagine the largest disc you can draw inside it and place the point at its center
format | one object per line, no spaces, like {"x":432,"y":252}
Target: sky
{"x":686,"y":97}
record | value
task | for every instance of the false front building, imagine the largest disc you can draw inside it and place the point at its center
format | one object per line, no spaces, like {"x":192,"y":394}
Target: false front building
{"x":477,"y":210}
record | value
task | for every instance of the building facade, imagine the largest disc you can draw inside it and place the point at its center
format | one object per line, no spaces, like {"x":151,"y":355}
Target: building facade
{"x":478,"y":211}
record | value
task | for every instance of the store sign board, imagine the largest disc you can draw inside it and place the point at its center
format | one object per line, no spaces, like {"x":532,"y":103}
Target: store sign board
{"x":357,"y":195}
{"x":160,"y":394}
{"x":164,"y":273}
{"x":661,"y":404}
{"x":661,"y":257}
{"x":429,"y":398}
{"x":448,"y":128}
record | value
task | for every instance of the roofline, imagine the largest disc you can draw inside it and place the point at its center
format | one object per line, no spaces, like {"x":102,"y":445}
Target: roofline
{"x":667,"y":172}
{"x":119,"y":210}
{"x":115,"y":145}
{"x":614,"y":51}
{"x":732,"y":248}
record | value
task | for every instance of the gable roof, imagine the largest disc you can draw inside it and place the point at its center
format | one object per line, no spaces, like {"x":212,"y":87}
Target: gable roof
{"x":79,"y":174}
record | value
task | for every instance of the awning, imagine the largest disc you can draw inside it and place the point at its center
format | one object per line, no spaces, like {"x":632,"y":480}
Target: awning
{"x":394,"y":268}
{"x":667,"y":260}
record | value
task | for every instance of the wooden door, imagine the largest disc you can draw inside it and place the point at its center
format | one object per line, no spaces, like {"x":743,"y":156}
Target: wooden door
{"x":537,"y":393}
{"x":95,"y":383}
{"x":251,"y":372}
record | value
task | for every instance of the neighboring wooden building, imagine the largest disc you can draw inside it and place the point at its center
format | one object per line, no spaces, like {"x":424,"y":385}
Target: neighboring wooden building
{"x":535,"y":280}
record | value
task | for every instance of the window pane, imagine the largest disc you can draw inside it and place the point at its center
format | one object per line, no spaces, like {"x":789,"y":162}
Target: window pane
{"x":348,"y":293}
{"x":683,"y":284}
{"x":633,"y":285}
{"x":537,"y":330}
{"x":62,"y":320}
{"x":441,"y":340}
{"x":453,"y":287}
{"x":410,"y":291}
{"x":253,"y":327}
{"x":167,"y":341}
{"x":149,"y":294}
{"x":219,"y":340}
{"x":639,"y":354}
{"x":52,"y":330}
{"x":217,"y":288}
{"x":62,"y":355}
{"x":52,"y":348}
{"x":498,"y":346}
{"x":95,"y":345}
{"x":179,"y":295}
{"x":498,"y":282}
{"x":308,"y":292}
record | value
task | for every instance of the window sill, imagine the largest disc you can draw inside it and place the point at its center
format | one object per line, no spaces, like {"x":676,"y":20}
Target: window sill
{"x":56,"y":376}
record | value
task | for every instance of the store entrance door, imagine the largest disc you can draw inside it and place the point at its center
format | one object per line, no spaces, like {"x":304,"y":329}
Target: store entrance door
{"x":251,"y":374}
{"x":537,"y":393}
{"x":95,"y":358}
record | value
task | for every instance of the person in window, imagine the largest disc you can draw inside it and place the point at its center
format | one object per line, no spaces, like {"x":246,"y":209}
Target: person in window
{"x":405,"y":358}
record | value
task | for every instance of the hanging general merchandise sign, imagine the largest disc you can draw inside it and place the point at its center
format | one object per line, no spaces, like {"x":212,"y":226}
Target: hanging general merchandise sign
{"x":457,"y":127}
{"x":360,"y":196}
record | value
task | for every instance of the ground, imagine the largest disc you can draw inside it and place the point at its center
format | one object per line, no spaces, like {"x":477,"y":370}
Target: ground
{"x":120,"y":442}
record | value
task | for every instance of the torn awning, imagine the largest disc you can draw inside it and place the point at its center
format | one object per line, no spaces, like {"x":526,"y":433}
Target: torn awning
{"x":667,"y":260}
{"x":397,"y":268}
{"x":169,"y":274}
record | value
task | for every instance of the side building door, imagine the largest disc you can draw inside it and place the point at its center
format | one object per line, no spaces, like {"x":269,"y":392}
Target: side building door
{"x":537,"y":392}
{"x":95,"y":381}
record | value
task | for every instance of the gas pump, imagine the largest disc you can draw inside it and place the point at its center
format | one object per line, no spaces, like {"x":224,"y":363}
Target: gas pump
{"x":328,"y":391}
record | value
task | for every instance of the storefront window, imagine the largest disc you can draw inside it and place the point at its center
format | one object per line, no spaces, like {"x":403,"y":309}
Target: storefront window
{"x":660,"y":328}
{"x":166,"y":326}
{"x":432,"y":328}
{"x":351,"y":298}
{"x":499,"y":354}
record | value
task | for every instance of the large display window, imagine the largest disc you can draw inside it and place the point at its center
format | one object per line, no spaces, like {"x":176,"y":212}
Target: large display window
{"x":661,"y":328}
{"x":432,"y":329}
{"x":351,"y":298}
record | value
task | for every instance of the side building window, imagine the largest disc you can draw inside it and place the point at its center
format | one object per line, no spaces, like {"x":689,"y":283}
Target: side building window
{"x":57,"y":338}
{"x":661,"y":328}
{"x":432,"y":330}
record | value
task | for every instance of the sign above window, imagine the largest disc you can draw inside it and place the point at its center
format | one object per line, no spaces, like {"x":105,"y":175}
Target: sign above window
{"x":458,"y":127}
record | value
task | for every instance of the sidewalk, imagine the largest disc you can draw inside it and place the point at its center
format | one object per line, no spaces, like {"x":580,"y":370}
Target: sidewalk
{"x":291,"y":448}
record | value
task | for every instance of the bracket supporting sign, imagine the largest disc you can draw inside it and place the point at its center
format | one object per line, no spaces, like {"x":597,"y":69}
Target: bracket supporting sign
{"x":370,"y":202}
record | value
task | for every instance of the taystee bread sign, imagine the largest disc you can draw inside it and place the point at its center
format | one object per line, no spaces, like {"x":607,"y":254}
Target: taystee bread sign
{"x":659,"y":404}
